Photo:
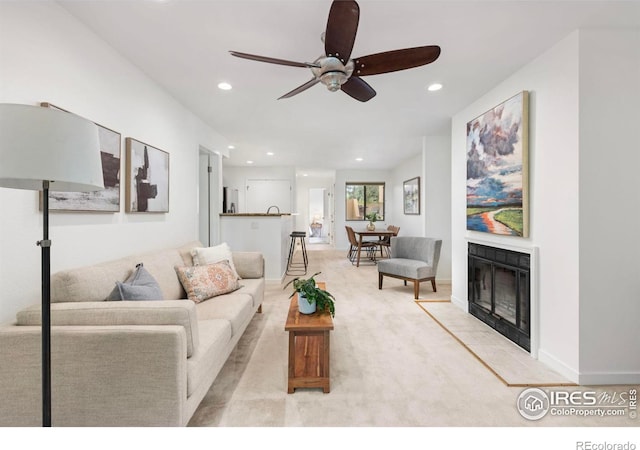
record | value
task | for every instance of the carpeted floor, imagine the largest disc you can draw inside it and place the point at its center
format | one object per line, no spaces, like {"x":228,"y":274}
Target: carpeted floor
{"x":391,"y":366}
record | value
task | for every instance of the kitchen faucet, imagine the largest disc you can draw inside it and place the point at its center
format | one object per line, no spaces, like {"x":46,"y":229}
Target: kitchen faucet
{"x":274,"y":206}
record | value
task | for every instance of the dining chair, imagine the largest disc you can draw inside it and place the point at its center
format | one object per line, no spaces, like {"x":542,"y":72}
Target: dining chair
{"x":354,"y":244}
{"x":385,"y":242}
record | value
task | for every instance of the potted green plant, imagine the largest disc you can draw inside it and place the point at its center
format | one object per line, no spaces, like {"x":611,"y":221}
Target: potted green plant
{"x":311,"y":297}
{"x":371,"y":217}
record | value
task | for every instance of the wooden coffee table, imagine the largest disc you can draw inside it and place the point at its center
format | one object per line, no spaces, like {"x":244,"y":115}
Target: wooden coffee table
{"x":308,"y":347}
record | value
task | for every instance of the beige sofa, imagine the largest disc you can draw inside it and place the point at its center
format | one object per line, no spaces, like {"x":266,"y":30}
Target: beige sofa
{"x":125,"y":363}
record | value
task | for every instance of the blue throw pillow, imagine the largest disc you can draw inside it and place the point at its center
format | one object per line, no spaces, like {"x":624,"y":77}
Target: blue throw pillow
{"x":139,"y":286}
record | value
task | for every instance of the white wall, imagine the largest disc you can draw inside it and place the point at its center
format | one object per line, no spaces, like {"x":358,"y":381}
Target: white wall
{"x":583,"y":200}
{"x":609,"y":206}
{"x":433,"y":166}
{"x":552,"y":80}
{"x":236,"y":177}
{"x":46,"y":55}
{"x":436,"y":155}
{"x":410,"y":225}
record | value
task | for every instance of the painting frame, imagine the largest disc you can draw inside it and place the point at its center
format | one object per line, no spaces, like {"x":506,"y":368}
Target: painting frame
{"x":147,"y":178}
{"x":497,"y":156}
{"x":411,"y":196}
{"x":107,"y":200}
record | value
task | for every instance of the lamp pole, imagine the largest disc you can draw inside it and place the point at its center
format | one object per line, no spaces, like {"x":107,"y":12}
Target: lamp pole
{"x":45,"y":245}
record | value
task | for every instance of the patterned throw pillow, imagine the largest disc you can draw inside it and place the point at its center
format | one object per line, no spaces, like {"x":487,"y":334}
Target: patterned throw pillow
{"x":204,"y":282}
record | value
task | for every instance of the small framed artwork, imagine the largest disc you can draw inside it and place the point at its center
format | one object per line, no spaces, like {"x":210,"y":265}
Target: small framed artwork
{"x":147,"y":172}
{"x":411,"y":196}
{"x":107,"y":200}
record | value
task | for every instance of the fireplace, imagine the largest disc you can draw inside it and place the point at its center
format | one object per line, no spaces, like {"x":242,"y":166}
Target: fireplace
{"x":499,"y":291}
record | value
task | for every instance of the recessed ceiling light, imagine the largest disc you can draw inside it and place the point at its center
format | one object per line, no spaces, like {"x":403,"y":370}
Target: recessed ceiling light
{"x":434,"y":87}
{"x":231,"y":147}
{"x":249,"y":162}
{"x":305,"y":174}
{"x":269,"y":153}
{"x":224,"y":86}
{"x":358,"y":159}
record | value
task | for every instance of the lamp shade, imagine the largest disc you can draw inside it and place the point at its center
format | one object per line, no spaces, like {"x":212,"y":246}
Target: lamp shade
{"x":43,"y":144}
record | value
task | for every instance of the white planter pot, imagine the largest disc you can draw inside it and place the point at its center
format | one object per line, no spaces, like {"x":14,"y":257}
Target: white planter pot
{"x":304,"y":306}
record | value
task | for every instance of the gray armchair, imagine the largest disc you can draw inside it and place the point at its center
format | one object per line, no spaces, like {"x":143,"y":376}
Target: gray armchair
{"x":412,"y":259}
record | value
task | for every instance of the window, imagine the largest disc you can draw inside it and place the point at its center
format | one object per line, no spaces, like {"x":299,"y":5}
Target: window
{"x":363,"y":199}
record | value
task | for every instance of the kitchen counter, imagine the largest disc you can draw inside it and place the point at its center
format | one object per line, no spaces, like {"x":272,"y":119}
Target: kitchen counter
{"x":260,"y":232}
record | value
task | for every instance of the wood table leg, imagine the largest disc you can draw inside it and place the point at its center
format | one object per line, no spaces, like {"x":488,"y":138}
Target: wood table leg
{"x":325,"y":374}
{"x":292,"y":361}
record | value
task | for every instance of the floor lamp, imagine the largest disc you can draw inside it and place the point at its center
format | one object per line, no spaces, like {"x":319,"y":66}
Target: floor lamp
{"x":42,"y":148}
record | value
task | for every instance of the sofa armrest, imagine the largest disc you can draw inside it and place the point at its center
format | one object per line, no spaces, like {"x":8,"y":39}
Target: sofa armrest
{"x":249,"y":264}
{"x":101,"y":376}
{"x":160,"y":312}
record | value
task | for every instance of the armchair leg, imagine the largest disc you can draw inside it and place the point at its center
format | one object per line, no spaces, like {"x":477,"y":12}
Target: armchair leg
{"x":433,"y":285}
{"x":416,"y":288}
{"x":380,"y":280}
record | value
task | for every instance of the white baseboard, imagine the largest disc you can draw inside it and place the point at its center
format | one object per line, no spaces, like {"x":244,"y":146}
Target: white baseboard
{"x":462,"y":304}
{"x":557,"y":365}
{"x":606,"y":378}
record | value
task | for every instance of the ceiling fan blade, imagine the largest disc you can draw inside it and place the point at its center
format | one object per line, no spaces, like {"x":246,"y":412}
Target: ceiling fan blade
{"x":267,"y":59}
{"x":395,"y":60}
{"x":299,"y":89}
{"x":342,"y":26}
{"x":359,"y":89}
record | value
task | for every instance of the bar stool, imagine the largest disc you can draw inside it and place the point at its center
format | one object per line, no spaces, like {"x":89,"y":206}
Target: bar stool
{"x":293,"y":267}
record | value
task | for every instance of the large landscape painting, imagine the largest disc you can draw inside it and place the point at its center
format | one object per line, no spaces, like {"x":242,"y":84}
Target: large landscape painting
{"x":497,"y":169}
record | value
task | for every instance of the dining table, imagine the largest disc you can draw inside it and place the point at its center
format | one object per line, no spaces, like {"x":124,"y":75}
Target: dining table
{"x":361,"y":234}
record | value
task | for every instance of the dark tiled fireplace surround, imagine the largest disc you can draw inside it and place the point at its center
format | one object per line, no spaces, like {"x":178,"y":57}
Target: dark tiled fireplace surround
{"x":499,"y":291}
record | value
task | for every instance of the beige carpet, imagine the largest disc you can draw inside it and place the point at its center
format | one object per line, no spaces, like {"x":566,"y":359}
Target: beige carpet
{"x":391,"y":366}
{"x":511,"y":364}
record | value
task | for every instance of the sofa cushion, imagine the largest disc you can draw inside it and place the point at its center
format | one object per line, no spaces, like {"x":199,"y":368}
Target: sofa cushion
{"x":237,"y":308}
{"x":211,"y":354}
{"x":160,"y":265}
{"x":204,"y":282}
{"x":139,"y":286}
{"x":253,"y":287}
{"x":407,"y":268}
{"x":185,"y":252}
{"x":161,"y":312}
{"x":95,"y":282}
{"x":209,"y":255}
{"x":249,"y":264}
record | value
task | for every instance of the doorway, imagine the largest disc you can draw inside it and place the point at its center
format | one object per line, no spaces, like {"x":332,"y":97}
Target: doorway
{"x":319,"y":225}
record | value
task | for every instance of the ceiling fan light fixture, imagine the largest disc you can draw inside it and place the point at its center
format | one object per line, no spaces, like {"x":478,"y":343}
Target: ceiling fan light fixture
{"x":333,"y":80}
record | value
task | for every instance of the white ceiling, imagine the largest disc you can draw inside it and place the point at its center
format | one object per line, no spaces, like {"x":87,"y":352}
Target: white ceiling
{"x":183,"y":45}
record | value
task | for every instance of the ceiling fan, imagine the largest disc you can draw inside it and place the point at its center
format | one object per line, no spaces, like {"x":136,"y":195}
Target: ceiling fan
{"x":336,"y":70}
